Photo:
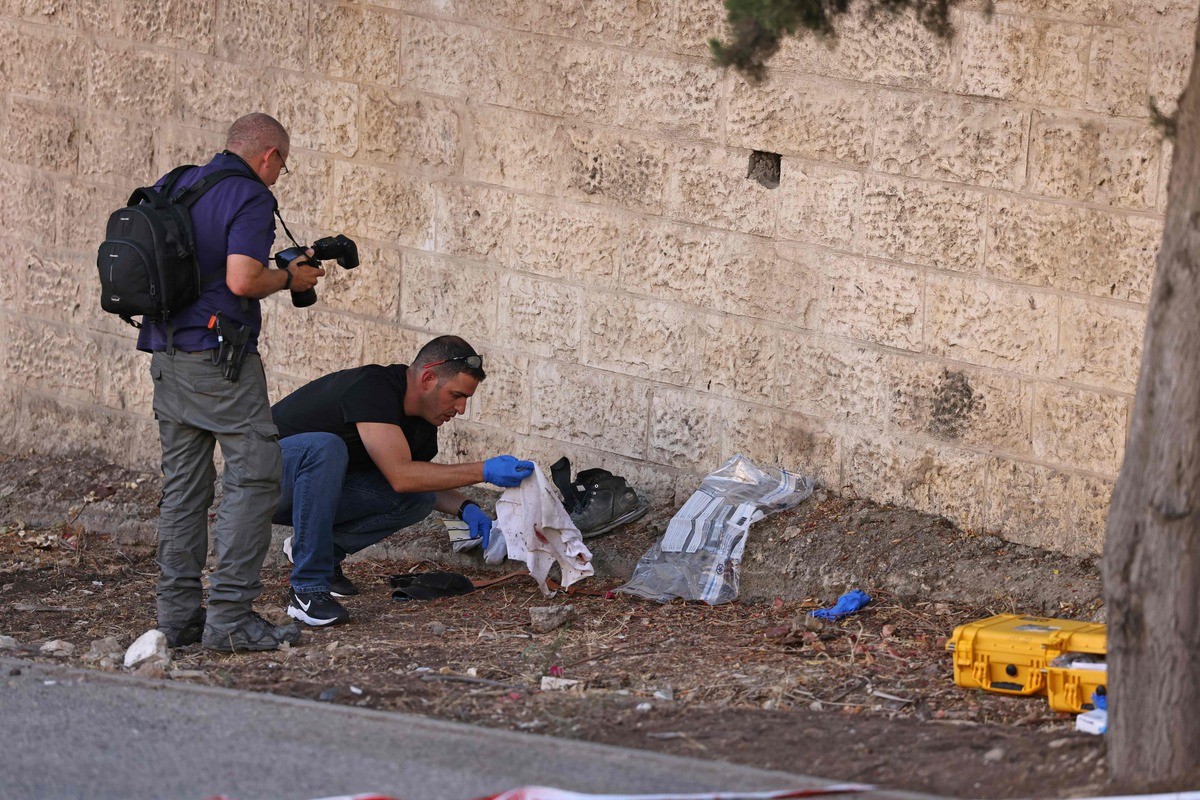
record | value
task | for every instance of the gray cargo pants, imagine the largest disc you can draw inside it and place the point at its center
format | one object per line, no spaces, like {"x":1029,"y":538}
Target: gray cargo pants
{"x":196,"y":407}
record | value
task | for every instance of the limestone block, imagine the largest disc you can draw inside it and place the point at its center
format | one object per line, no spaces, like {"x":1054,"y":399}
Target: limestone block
{"x":119,"y":76}
{"x":317,"y":342}
{"x":45,"y":63}
{"x":1167,"y":15}
{"x":22,"y":259}
{"x":951,"y":139}
{"x":922,"y":223}
{"x":321,"y":115}
{"x":62,"y":13}
{"x":608,"y":21}
{"x":1101,"y":253}
{"x":934,"y":479}
{"x":669,"y":96}
{"x":113,"y":149}
{"x":872,"y":302}
{"x":1024,"y":59}
{"x":1090,"y":497}
{"x":565,"y":240}
{"x":471,"y":220}
{"x":10,"y":417}
{"x":451,"y":59}
{"x":500,"y":13}
{"x":52,"y":358}
{"x":388,"y":343}
{"x":753,"y":278}
{"x":615,"y":169}
{"x":382,"y":204}
{"x":687,"y":429}
{"x":57,"y":427}
{"x":280,"y":385}
{"x":562,"y":78}
{"x":1119,"y":72}
{"x":1100,"y":344}
{"x":1074,"y":10}
{"x":356,"y":43}
{"x":306,"y":194}
{"x":443,"y":295}
{"x":682,"y":27}
{"x":42,"y":135}
{"x":990,"y":324}
{"x":1080,"y":428}
{"x":741,"y":358}
{"x":28,"y":204}
{"x":408,"y":130}
{"x":1111,"y":162}
{"x":265,"y":33}
{"x":125,"y":382}
{"x":817,"y":118}
{"x":175,"y":145}
{"x":589,"y":407}
{"x":818,"y":204}
{"x":540,"y":316}
{"x":710,"y":186}
{"x":673,"y":262}
{"x":960,"y":404}
{"x":1169,"y":68}
{"x":180,"y":24}
{"x":502,"y":400}
{"x":644,"y":338}
{"x":1029,"y":503}
{"x":512,"y":148}
{"x":58,"y":284}
{"x":770,"y":437}
{"x":214,"y":93}
{"x":461,"y":440}
{"x":371,"y":290}
{"x":829,"y":379}
{"x":1164,"y":175}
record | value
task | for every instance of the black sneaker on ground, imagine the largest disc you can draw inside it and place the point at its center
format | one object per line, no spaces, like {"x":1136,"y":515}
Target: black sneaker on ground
{"x":189,"y":631}
{"x":316,"y":608}
{"x":341,"y":586}
{"x":608,"y":502}
{"x":252,"y":633}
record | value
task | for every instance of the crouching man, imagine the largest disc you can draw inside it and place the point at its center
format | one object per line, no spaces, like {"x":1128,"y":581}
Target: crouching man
{"x":357,"y":446}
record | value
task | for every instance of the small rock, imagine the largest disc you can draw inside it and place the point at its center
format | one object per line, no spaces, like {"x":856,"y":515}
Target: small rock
{"x":108,"y":646}
{"x":665,"y":693}
{"x":151,"y":645}
{"x":330,"y":694}
{"x":544,"y":619}
{"x":8,"y":643}
{"x":151,"y":669}
{"x":993,"y":756}
{"x":178,"y":674}
{"x":436,"y":628}
{"x":550,"y":683}
{"x":643,"y":707}
{"x":57,"y":647}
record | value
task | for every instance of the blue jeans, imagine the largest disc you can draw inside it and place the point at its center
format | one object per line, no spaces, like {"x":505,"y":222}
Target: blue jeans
{"x":334,"y":512}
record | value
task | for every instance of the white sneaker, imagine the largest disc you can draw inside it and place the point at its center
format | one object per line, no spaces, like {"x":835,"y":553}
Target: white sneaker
{"x":287,"y":549}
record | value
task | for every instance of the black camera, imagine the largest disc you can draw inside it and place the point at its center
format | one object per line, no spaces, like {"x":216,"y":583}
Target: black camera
{"x":337,"y":247}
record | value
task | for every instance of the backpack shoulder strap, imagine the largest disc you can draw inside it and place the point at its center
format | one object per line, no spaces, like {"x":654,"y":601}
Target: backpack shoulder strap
{"x":191,"y":194}
{"x":158,"y":197}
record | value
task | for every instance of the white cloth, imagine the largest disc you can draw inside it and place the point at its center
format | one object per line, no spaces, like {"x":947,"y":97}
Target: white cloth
{"x":539,"y":531}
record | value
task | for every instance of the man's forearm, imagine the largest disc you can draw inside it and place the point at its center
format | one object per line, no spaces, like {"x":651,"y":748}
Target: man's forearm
{"x":423,"y":476}
{"x":261,"y":284}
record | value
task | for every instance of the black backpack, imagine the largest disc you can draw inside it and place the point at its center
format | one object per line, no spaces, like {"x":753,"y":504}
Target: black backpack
{"x":147,"y":261}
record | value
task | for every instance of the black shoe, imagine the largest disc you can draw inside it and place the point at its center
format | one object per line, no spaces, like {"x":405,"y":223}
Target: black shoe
{"x":251,"y":633}
{"x":608,"y":501}
{"x":341,"y":586}
{"x":316,"y":609}
{"x":181,"y":634}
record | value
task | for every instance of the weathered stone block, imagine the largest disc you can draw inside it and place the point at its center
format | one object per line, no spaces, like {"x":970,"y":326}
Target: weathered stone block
{"x":57,"y":427}
{"x":52,"y":358}
{"x":687,"y":429}
{"x":668,"y":96}
{"x":180,"y":24}
{"x":819,"y":119}
{"x":1079,"y":428}
{"x":44,"y":63}
{"x":818,"y":204}
{"x":922,"y":223}
{"x":614,"y":168}
{"x":609,"y":21}
{"x":371,"y":290}
{"x":951,"y":139}
{"x":62,"y":13}
{"x":321,"y":115}
{"x":1164,"y":175}
{"x":1119,"y":72}
{"x":388,"y":343}
{"x":451,"y":59}
{"x":540,"y":317}
{"x":22,"y":259}
{"x":1167,"y":15}
{"x":830,"y":378}
{"x":645,"y":338}
{"x":753,"y":278}
{"x":770,"y":437}
{"x":1028,"y":503}
{"x":42,"y":135}
{"x":120,"y":74}
{"x":175,"y":145}
{"x":10,"y":416}
{"x":741,"y":356}
{"x":1111,"y":162}
{"x":434,"y":294}
{"x":990,"y":324}
{"x":681,"y":27}
{"x":125,"y":383}
{"x":306,"y":194}
{"x":408,"y":130}
{"x":672,"y":262}
{"x":1074,"y":10}
{"x":1170,"y":64}
{"x":591,"y":408}
{"x":960,"y":404}
{"x":280,"y":385}
{"x":357,"y":43}
{"x":470,"y":220}
{"x":562,"y":78}
{"x":872,"y":302}
{"x":310,"y":342}
{"x":29,"y":202}
{"x":565,"y":240}
{"x":1100,"y":344}
{"x":214,"y":93}
{"x":1024,"y":59}
{"x":461,"y":440}
{"x":265,"y":33}
{"x":502,"y":400}
{"x":114,"y":149}
{"x":1090,"y":498}
{"x":382,"y":204}
{"x":512,"y":148}
{"x":711,"y":186}
{"x":59,"y":285}
{"x":1078,"y":249}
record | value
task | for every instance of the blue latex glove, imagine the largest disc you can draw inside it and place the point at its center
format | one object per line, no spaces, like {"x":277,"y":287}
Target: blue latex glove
{"x":479,"y":523}
{"x":847,"y":604}
{"x":506,"y":471}
{"x":1100,"y":701}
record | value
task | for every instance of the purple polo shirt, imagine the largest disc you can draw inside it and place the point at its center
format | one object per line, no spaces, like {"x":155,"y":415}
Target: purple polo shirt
{"x":234,"y":217}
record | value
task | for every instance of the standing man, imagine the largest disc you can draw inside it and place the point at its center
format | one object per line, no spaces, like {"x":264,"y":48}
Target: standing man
{"x":357,"y":446}
{"x":196,"y":405}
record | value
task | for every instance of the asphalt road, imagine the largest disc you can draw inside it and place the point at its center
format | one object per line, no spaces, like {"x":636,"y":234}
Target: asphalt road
{"x":78,"y":734}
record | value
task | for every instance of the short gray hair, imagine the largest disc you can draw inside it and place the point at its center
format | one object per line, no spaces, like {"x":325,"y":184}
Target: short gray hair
{"x":256,"y":133}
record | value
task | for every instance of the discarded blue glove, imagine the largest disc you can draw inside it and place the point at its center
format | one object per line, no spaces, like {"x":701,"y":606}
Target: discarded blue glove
{"x":1100,"y":701}
{"x":479,"y":523}
{"x":506,"y":471}
{"x":848,"y":603}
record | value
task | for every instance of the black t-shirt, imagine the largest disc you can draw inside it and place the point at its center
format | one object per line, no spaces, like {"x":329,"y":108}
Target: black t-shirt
{"x":335,"y":402}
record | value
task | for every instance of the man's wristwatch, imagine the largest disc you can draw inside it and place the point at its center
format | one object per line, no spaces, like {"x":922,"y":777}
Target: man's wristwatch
{"x":463,"y":507}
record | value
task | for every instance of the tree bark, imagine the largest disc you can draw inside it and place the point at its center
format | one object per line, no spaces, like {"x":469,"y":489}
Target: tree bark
{"x":1152,"y":546}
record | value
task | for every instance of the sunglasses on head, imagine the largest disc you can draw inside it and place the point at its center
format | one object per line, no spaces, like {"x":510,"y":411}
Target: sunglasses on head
{"x":474,"y":362}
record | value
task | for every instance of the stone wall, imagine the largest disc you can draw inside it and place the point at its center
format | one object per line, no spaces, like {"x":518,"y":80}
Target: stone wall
{"x":939,"y":305}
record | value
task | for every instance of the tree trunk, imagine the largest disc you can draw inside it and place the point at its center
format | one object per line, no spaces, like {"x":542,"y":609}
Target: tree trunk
{"x":1152,"y":547}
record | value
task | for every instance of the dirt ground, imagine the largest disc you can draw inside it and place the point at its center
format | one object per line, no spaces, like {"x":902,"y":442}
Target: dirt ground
{"x":869,"y":698}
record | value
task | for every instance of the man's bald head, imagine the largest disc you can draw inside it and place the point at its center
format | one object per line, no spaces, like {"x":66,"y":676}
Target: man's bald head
{"x":254,"y":134}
